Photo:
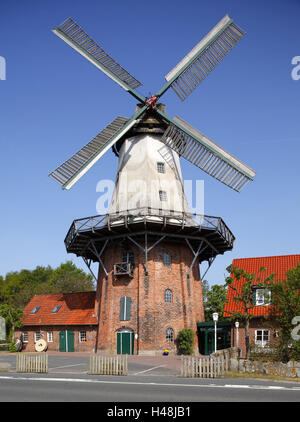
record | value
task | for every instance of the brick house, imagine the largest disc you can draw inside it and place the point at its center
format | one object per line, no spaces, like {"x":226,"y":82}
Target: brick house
{"x":263,"y":333}
{"x":67,"y":322}
{"x":137,"y":313}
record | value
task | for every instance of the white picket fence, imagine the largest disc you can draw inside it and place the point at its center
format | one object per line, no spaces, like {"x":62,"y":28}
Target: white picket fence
{"x":108,"y":365}
{"x":32,"y":363}
{"x":200,"y":367}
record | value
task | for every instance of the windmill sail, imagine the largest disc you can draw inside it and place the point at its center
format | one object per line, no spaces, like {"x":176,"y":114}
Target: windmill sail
{"x":77,"y":38}
{"x":206,"y":154}
{"x":75,"y":167}
{"x":203,"y":58}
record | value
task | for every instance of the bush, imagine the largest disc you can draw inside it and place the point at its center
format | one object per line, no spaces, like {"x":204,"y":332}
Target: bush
{"x":12,"y":348}
{"x":186,"y":341}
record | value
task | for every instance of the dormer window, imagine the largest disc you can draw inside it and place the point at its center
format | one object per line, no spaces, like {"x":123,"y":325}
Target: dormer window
{"x":261,"y":297}
{"x":56,"y":309}
{"x":34,"y":310}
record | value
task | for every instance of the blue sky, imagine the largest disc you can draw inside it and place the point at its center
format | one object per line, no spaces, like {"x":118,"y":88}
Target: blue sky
{"x":53,"y":102}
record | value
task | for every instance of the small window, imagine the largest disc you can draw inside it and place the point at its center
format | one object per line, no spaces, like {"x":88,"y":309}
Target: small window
{"x":128,"y":257}
{"x":162,"y":195}
{"x":262,"y":337}
{"x":169,"y":335}
{"x":262,"y":297}
{"x":82,"y":336}
{"x":168,"y":296}
{"x":25,"y":337}
{"x":167,"y":259}
{"x":34,"y":310}
{"x":50,"y":336}
{"x":56,"y":309}
{"x":161,"y":167}
{"x":37,"y":336}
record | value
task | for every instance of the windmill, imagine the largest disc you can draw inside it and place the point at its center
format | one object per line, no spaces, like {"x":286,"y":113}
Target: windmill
{"x":149,"y":145}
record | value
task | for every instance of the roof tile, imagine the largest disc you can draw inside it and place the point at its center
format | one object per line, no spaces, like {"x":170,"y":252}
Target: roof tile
{"x":76,"y":309}
{"x":278,"y":265}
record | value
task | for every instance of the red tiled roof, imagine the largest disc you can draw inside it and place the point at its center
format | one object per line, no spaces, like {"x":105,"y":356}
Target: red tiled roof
{"x":76,"y":309}
{"x":278,"y":265}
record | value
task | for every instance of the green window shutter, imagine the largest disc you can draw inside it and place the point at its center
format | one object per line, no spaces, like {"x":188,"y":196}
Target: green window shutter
{"x":122,"y":308}
{"x":125,"y":308}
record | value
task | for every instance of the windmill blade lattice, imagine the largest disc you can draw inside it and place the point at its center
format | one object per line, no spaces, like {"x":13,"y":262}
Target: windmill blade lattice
{"x":206,"y":154}
{"x":72,"y":169}
{"x":179,"y":135}
{"x":203,"y":58}
{"x":77,"y":38}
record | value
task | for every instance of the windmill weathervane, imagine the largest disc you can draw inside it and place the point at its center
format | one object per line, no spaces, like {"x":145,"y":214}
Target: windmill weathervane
{"x":178,"y":135}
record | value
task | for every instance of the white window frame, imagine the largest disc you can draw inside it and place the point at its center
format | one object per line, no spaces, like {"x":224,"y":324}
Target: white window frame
{"x":265,"y":337}
{"x":25,"y":337}
{"x":37,"y":336}
{"x":50,"y":336}
{"x":82,"y":336}
{"x":262,"y":297}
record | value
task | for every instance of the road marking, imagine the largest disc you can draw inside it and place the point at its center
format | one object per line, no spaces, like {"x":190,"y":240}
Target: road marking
{"x":150,"y":369}
{"x":66,"y":366}
{"x":97,"y":381}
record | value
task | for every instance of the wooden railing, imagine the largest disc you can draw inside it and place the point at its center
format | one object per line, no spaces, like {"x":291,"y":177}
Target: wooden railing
{"x":200,"y":367}
{"x":108,"y":365}
{"x":32,"y":363}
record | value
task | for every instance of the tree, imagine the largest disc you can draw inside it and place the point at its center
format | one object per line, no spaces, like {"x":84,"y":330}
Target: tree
{"x":285,"y":301}
{"x":215,"y":302}
{"x":17,"y":288}
{"x":12,"y":318}
{"x":243,"y":297}
{"x":67,"y":278}
{"x":185,"y":340}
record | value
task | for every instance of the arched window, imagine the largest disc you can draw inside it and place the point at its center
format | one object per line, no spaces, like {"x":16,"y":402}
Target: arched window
{"x":167,"y":259}
{"x":168,"y":296}
{"x":169,"y":335}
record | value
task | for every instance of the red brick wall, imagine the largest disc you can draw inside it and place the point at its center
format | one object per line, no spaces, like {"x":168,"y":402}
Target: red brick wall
{"x":150,"y":314}
{"x":87,"y":346}
{"x":255,"y":324}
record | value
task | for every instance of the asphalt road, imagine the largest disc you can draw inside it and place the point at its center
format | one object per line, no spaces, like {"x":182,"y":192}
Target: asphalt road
{"x":167,"y":389}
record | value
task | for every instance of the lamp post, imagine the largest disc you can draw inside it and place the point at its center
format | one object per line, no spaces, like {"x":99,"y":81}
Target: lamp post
{"x":215,"y":318}
{"x":237,"y":324}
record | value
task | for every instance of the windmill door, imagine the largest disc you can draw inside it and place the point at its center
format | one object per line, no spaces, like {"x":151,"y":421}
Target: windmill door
{"x":66,"y":341}
{"x":125,"y":342}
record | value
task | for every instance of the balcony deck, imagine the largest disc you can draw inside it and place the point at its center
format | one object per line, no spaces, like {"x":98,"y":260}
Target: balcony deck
{"x":179,"y":227}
